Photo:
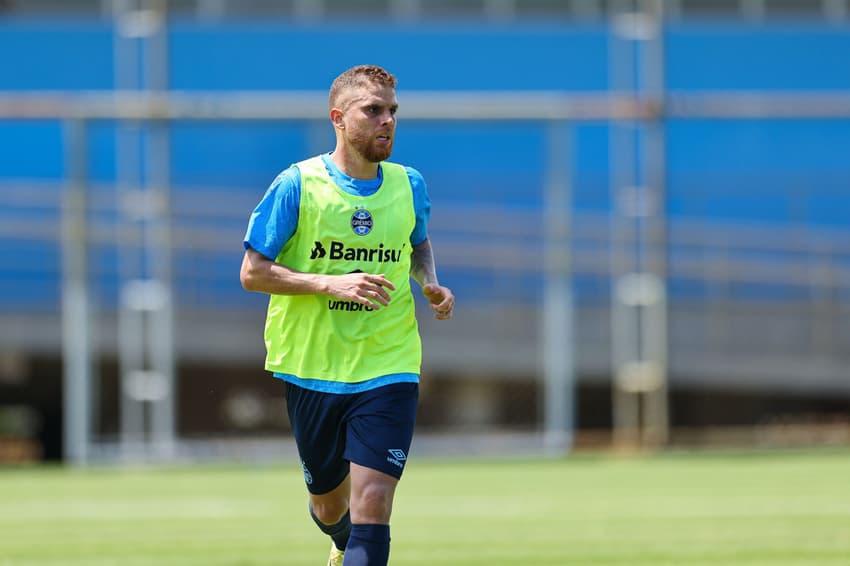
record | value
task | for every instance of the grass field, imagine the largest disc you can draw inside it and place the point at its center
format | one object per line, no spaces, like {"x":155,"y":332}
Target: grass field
{"x":776,"y":509}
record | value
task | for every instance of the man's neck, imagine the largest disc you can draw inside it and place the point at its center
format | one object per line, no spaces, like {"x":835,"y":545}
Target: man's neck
{"x":353,"y":165}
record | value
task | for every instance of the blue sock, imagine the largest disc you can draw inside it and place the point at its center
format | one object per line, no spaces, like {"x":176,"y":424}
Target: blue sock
{"x":338,"y":532}
{"x":369,"y":545}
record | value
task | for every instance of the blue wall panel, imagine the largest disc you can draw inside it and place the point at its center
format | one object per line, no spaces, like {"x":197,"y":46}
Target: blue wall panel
{"x":788,"y":171}
{"x":758,"y":57}
{"x":277,"y":56}
{"x":60,"y":55}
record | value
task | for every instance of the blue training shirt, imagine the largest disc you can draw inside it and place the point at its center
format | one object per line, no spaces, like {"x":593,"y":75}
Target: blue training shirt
{"x":275,"y":218}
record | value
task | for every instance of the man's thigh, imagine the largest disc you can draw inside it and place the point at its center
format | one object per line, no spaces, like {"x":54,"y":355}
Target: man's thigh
{"x":380,"y":426}
{"x":373,"y":429}
{"x":318,"y":425}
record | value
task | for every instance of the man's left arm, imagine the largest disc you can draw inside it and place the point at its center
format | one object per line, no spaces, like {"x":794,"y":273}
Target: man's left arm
{"x":424,"y":271}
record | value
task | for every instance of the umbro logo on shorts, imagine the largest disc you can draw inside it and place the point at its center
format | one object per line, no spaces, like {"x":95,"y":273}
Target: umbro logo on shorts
{"x":396,"y":457}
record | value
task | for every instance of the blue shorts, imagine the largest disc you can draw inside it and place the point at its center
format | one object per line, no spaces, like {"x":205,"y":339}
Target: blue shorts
{"x":372,"y":429}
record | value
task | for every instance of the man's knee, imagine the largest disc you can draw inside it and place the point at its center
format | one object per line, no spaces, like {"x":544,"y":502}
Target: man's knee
{"x":374,"y":503}
{"x":329,"y":510}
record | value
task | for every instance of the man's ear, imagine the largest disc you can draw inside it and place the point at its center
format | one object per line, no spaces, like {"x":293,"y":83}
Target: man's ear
{"x":337,"y":118}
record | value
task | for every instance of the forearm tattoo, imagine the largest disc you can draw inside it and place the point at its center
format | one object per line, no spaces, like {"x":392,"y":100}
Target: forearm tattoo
{"x":422,"y":267}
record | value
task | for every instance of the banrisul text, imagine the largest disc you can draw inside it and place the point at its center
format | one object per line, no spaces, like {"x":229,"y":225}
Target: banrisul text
{"x":339,"y":251}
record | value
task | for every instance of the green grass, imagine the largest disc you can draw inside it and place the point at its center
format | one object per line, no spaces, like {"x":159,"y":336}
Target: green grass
{"x":776,"y":509}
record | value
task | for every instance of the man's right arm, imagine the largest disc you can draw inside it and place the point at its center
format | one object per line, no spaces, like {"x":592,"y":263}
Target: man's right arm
{"x":260,"y":274}
{"x":263,"y":275}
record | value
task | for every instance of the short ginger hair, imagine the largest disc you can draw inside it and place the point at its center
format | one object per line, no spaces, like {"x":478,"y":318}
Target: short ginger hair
{"x":357,"y":76}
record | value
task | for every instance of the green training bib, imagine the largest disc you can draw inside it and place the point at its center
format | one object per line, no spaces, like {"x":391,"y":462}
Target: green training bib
{"x":321,"y":337}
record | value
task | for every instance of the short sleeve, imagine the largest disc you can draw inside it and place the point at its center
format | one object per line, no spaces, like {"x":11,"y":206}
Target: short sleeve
{"x":421,"y":206}
{"x":275,"y":218}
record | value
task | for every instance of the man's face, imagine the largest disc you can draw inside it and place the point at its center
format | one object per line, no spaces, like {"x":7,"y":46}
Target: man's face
{"x":369,"y":118}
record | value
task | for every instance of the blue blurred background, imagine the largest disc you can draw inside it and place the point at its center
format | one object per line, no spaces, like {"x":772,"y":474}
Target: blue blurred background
{"x":754,"y":209}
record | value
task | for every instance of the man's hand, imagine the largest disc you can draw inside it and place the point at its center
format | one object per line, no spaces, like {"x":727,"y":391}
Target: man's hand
{"x":365,"y":288}
{"x":441,"y":298}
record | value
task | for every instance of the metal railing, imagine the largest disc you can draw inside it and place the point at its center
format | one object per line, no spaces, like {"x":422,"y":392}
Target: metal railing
{"x":498,"y":11}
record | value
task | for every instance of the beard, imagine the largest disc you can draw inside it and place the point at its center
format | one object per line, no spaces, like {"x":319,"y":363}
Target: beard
{"x":368,"y":148}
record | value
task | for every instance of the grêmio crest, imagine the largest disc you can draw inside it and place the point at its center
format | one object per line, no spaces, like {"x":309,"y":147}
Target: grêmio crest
{"x":361,"y":222}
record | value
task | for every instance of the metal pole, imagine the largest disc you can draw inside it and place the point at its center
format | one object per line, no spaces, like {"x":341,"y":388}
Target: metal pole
{"x":76,"y":315}
{"x":130,"y":363}
{"x":638,"y":301}
{"x":558,"y":340}
{"x":655,"y":402}
{"x":159,"y":245}
{"x":129,"y":178}
{"x":161,"y":318}
{"x":626,"y":28}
